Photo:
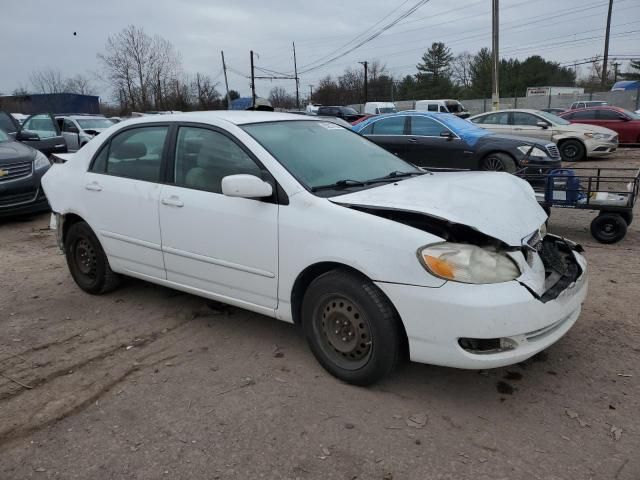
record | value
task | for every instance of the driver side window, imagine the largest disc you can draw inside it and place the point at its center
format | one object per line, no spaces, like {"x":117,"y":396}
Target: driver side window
{"x":204,"y":157}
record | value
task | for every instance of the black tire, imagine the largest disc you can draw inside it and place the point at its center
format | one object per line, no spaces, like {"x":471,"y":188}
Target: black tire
{"x":499,"y":162}
{"x":628,"y":217}
{"x":87,"y":261}
{"x":572,"y":151}
{"x":608,"y":228}
{"x":367,"y":341}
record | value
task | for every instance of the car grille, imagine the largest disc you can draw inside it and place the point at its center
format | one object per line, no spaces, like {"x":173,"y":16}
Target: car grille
{"x":553,"y":151}
{"x":17,"y":199}
{"x":15,"y":170}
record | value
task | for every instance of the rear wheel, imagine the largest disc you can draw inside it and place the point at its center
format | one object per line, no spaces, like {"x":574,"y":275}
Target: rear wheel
{"x":87,"y":261}
{"x":572,"y":151}
{"x":352,"y":328}
{"x":608,"y":228}
{"x":499,"y":162}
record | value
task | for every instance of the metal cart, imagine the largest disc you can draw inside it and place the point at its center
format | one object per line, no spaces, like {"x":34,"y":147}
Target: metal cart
{"x":610,"y":191}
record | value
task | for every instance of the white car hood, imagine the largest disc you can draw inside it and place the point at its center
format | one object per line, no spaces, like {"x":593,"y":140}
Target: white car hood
{"x":499,"y":205}
{"x":583,"y":128}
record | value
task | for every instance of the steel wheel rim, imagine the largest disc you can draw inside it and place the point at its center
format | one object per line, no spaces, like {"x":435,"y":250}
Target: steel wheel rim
{"x":343,"y":332}
{"x":570,"y":151}
{"x":494,"y":164}
{"x":609,"y":230}
{"x":85,"y":258}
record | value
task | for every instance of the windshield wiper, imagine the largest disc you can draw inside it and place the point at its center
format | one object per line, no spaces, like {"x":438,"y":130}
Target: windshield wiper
{"x":393,"y":176}
{"x":339,"y":184}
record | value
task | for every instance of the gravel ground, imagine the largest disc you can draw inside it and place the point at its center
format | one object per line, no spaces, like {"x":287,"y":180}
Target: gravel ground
{"x":148,"y":383}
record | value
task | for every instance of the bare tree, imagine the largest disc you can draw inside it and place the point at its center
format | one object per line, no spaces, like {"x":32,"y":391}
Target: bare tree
{"x":79,"y":84}
{"x":279,"y":98}
{"x":47,"y":80}
{"x":139,"y":68}
{"x":461,"y":69}
{"x":204,"y":92}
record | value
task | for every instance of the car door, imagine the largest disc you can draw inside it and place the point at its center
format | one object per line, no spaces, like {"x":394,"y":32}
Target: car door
{"x":71,"y":134}
{"x":618,"y":122}
{"x":526,"y":125}
{"x":41,"y":132}
{"x":427,"y":147}
{"x":389,"y":133}
{"x":121,"y":195}
{"x":9,"y":124}
{"x":497,"y":122}
{"x":226,"y":246}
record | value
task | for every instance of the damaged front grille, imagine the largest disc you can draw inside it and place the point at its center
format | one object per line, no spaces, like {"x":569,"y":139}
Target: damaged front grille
{"x":561,"y":267}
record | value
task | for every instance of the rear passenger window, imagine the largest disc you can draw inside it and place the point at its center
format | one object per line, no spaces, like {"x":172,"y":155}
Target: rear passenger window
{"x":136,"y":153}
{"x":432,"y":107}
{"x":585,"y":115}
{"x":609,"y":115}
{"x":204,"y":157}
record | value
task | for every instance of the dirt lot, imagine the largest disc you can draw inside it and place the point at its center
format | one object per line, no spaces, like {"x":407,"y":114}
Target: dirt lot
{"x":148,"y":383}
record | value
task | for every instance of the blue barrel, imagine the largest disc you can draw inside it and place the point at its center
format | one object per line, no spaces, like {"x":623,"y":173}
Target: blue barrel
{"x":563,"y":187}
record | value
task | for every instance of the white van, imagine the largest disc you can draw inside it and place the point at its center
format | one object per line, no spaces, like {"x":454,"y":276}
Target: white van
{"x":443,"y":106}
{"x":312,"y":108}
{"x":375,"y":108}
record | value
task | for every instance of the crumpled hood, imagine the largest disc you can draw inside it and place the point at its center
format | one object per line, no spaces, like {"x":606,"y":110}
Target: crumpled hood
{"x":499,"y":205}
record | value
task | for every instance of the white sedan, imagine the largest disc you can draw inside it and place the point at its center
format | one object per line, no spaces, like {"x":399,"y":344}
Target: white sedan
{"x":305,"y":221}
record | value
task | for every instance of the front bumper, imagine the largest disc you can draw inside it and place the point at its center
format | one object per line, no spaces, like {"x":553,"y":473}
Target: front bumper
{"x":23,"y":196}
{"x":601,"y":149}
{"x":435,"y":319}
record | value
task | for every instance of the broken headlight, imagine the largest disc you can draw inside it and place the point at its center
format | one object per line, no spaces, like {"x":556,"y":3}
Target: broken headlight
{"x":464,"y":263}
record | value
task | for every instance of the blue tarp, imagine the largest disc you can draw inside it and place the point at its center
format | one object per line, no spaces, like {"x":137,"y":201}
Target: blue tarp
{"x":466,"y":130}
{"x":626,"y":85}
{"x":241,"y":103}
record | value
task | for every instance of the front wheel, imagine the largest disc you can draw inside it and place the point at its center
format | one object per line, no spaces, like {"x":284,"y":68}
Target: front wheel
{"x":499,"y":162}
{"x":87,"y":261}
{"x":608,"y":228}
{"x":572,"y":151}
{"x":351,"y":327}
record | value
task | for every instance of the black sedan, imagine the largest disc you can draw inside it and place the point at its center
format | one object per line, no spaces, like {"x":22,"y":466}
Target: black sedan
{"x":442,"y":140}
{"x":21,"y":168}
{"x":346,"y":113}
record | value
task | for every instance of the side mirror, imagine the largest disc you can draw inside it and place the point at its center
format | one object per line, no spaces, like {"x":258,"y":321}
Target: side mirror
{"x":245,"y":186}
{"x":446,"y":134}
{"x":542,"y":124}
{"x":26,"y":135}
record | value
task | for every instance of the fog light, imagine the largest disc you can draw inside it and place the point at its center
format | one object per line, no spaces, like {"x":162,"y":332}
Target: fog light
{"x":487,"y":345}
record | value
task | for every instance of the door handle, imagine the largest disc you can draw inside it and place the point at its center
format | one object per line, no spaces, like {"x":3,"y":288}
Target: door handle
{"x":93,"y":186}
{"x":172,"y":201}
{"x":413,"y":140}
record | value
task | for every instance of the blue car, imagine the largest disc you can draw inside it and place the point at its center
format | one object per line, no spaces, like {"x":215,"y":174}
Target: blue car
{"x":442,"y":140}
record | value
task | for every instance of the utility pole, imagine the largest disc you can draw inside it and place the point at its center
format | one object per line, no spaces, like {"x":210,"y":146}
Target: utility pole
{"x":295,"y":72}
{"x":615,"y":71}
{"x":603,"y":80}
{"x":253,"y":83}
{"x":495,"y":24}
{"x":366,"y":74}
{"x":226,"y":82}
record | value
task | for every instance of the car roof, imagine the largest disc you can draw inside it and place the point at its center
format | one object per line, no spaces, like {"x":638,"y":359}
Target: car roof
{"x":599,"y":107}
{"x":236,"y":117}
{"x":507,"y":110}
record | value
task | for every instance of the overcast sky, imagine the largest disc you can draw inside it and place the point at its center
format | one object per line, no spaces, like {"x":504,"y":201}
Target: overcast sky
{"x":39,"y":33}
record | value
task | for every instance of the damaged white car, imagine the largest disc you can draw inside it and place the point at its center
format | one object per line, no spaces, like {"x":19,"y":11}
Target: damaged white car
{"x":310,"y":223}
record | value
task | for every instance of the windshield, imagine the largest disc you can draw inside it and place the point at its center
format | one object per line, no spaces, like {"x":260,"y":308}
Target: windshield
{"x":454,"y":107}
{"x":635,"y":116}
{"x":553,"y":118}
{"x":322,"y":153}
{"x":387,"y":110}
{"x":3,"y":136}
{"x":89,"y":123}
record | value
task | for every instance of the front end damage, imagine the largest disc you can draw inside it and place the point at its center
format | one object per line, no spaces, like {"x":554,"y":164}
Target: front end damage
{"x":490,"y":325}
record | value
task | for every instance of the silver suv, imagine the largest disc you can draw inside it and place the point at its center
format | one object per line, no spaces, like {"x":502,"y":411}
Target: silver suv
{"x":77,"y":130}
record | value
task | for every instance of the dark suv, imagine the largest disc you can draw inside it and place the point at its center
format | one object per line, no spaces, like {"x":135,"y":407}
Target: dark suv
{"x":346,"y":113}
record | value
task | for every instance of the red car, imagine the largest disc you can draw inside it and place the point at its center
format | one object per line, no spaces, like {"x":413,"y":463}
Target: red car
{"x":626,"y":123}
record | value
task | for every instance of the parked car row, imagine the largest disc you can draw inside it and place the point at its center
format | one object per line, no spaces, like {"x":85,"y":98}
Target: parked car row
{"x":370,"y":255}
